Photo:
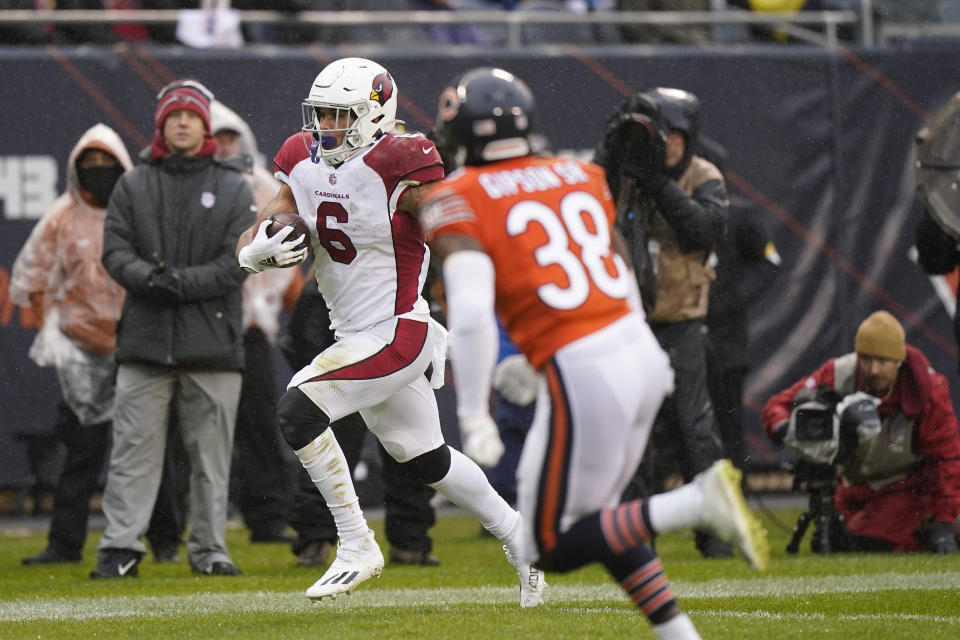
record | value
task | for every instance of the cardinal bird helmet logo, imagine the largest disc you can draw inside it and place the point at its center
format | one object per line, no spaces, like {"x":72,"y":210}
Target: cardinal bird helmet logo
{"x":382,"y":88}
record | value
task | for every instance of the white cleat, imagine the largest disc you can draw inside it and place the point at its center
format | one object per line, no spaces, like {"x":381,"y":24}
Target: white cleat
{"x":726,"y":513}
{"x":355,"y":562}
{"x":532,"y":581}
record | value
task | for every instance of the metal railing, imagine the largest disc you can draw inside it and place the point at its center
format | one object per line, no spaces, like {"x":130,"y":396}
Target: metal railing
{"x":914,"y":31}
{"x":801,"y":25}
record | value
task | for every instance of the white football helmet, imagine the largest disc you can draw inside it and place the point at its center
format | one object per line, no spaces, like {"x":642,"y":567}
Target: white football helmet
{"x":361,"y":88}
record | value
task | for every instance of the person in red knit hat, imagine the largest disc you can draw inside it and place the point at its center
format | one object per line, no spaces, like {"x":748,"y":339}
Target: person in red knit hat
{"x":168,"y":240}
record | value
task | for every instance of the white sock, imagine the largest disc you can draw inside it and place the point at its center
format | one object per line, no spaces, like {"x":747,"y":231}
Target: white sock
{"x":324,"y":461}
{"x":677,"y":509}
{"x":677,"y":628}
{"x":467,"y":487}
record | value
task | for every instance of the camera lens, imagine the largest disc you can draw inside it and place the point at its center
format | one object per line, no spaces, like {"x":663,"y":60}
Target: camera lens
{"x":814,"y":424}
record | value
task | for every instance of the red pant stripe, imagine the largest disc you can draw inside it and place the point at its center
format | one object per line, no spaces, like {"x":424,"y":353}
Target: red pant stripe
{"x":551,"y":499}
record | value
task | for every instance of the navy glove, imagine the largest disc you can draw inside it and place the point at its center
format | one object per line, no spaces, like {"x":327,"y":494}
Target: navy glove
{"x":940,"y":538}
{"x":164,"y":287}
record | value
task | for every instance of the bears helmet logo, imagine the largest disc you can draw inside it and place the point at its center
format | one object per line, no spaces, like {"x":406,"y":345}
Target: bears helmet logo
{"x":382,"y":88}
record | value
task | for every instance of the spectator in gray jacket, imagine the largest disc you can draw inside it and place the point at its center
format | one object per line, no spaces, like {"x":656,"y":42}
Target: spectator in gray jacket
{"x":171,"y":228}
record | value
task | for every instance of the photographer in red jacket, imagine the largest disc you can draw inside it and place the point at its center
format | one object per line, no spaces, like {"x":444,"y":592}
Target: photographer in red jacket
{"x":900,"y":488}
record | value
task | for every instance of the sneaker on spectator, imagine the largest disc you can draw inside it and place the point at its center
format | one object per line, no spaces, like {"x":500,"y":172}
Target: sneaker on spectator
{"x":407,"y":556}
{"x":711,"y":546}
{"x":315,"y":554}
{"x":53,"y":556}
{"x":166,"y":553}
{"x":218,"y":568}
{"x":116,"y":563}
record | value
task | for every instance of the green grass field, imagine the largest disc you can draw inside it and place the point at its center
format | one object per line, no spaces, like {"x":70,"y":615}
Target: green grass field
{"x":473,"y":594}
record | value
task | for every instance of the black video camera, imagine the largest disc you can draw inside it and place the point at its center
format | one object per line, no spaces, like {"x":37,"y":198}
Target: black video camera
{"x":814,"y":424}
{"x":637,"y":139}
{"x":824,"y":431}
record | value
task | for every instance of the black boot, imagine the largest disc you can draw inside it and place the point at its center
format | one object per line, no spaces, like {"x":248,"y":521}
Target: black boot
{"x":710,"y":546}
{"x":53,"y":556}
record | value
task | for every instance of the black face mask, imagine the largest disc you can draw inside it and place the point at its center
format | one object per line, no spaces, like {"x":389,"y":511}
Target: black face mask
{"x":99,"y":181}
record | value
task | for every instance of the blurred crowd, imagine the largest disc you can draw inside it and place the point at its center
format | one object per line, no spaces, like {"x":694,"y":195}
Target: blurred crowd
{"x":226,"y":30}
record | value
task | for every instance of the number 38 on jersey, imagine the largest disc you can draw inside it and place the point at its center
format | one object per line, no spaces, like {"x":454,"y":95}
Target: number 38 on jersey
{"x":582,"y":219}
{"x":546,"y":225}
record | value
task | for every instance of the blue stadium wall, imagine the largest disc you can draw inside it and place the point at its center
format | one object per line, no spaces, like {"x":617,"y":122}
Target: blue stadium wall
{"x":821,"y":142}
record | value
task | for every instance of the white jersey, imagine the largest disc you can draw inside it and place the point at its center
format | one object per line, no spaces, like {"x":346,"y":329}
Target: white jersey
{"x":371,"y":258}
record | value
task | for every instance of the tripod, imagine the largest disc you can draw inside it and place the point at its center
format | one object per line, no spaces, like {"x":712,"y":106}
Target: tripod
{"x":829,"y":531}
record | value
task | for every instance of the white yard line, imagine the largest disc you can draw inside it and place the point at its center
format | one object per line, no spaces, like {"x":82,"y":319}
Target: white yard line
{"x":244,"y":602}
{"x":757,"y":615}
{"x":771,"y":615}
{"x":813,"y":585}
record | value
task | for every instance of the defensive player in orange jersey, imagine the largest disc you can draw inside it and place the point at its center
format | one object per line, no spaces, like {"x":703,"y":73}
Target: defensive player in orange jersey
{"x":531,"y":239}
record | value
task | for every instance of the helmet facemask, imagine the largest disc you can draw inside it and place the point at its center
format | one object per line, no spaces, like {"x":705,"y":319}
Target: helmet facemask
{"x":349,"y":121}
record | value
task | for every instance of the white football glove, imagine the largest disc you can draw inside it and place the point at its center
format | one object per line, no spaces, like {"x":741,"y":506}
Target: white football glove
{"x":481,"y":439}
{"x":265,"y":252}
{"x":516,"y":380}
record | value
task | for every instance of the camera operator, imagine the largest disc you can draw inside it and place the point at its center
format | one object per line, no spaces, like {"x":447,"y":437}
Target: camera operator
{"x":900,"y":488}
{"x":671,"y":210}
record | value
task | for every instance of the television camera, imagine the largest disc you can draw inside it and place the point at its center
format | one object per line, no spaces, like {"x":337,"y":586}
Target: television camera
{"x":824,"y":431}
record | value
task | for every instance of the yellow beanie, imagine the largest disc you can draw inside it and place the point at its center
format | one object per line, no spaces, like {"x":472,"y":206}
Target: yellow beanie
{"x":881,"y":336}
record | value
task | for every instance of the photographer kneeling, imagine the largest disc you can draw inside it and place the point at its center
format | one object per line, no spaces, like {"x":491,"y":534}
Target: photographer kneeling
{"x":899,"y":486}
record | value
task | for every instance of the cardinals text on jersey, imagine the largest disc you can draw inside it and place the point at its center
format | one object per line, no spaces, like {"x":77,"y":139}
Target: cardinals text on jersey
{"x":371,"y":257}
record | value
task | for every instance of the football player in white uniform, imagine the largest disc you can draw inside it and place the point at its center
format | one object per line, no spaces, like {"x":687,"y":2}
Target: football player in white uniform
{"x":357,"y":183}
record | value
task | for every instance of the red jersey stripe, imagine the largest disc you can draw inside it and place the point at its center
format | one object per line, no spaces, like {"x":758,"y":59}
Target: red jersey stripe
{"x":408,"y":340}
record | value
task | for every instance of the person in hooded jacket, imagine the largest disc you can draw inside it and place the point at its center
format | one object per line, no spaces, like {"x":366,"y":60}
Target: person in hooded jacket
{"x":58,"y":275}
{"x":672,"y":207}
{"x":171,"y":227}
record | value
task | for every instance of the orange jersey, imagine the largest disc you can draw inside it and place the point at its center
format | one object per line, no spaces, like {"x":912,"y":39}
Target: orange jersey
{"x":546,"y":225}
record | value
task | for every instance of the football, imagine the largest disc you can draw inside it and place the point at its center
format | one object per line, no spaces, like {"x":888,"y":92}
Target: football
{"x":281,"y":220}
